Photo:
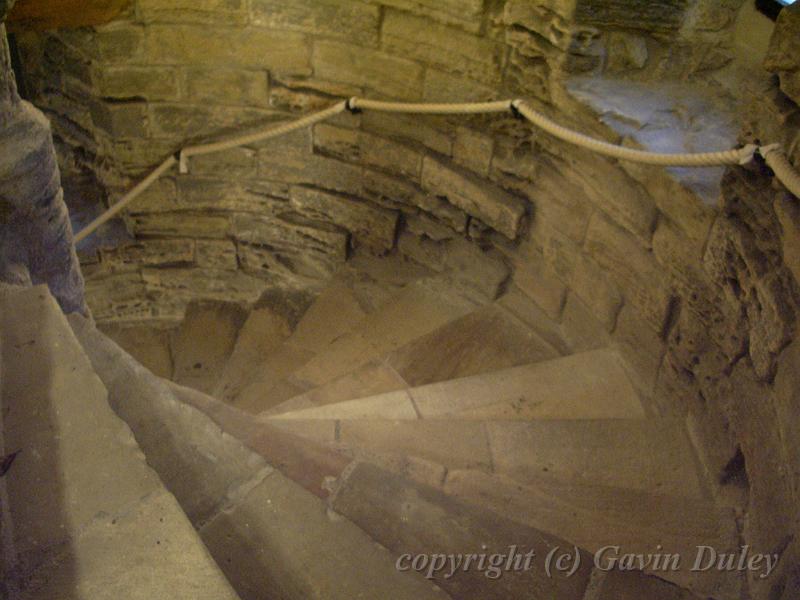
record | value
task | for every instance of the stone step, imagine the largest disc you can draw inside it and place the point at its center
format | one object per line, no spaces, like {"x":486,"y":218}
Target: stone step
{"x":253,"y":370}
{"x":83,"y":515}
{"x":486,"y":340}
{"x":652,"y":456}
{"x":420,"y":308}
{"x":203,"y":342}
{"x":588,"y":385}
{"x":413,"y":520}
{"x":308,"y":464}
{"x":282,"y":542}
{"x":595,"y":517}
{"x":360,"y":286}
{"x":271,"y":537}
{"x":266,"y":328}
{"x":636,"y":520}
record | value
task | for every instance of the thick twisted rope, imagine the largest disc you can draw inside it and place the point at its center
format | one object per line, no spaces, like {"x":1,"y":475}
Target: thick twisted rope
{"x":773,"y":154}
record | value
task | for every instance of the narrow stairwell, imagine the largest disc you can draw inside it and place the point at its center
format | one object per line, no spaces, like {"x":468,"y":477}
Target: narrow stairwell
{"x":413,"y":414}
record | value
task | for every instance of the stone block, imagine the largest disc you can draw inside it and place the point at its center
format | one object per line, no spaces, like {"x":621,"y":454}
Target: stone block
{"x":664,"y":16}
{"x":180,"y":224}
{"x":528,"y":76}
{"x":640,"y":346}
{"x":579,"y":328}
{"x":784,"y":49}
{"x":149,"y":83}
{"x":558,"y":204}
{"x":105,"y":290}
{"x":150,"y":551}
{"x":183,"y":285}
{"x":432,"y":133}
{"x":226,"y":86}
{"x":788,"y":213}
{"x":640,"y":277}
{"x":787,"y":409}
{"x":216,"y":254}
{"x":210,"y":12}
{"x":536,"y":279}
{"x":678,"y":253}
{"x":441,"y":86}
{"x":234,"y":164}
{"x":148,"y":253}
{"x":559,"y":251}
{"x":135,"y":156}
{"x":390,"y":76}
{"x":118,"y":42}
{"x":353,"y":21}
{"x":549,"y":19}
{"x":358,"y":146}
{"x":676,"y":200}
{"x":370,"y":225}
{"x":447,"y":48}
{"x":123,"y":120}
{"x":590,"y":284}
{"x":281,"y":52}
{"x":278,"y":517}
{"x":159,"y":197}
{"x":296,"y":167}
{"x":212,"y":195}
{"x":483,"y":272}
{"x":615,"y":193}
{"x":309,"y":249}
{"x":473,"y":150}
{"x":81,"y":459}
{"x":498,"y":209}
{"x":465,"y":14}
{"x":407,"y":517}
{"x":187,"y":121}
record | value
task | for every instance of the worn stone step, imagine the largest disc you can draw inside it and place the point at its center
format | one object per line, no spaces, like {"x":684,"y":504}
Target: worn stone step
{"x":252,"y":372}
{"x":285,"y":543}
{"x":269,"y":323}
{"x":271,"y":537}
{"x":653,"y":456}
{"x":482,"y":341}
{"x":203,"y":341}
{"x":308,"y":464}
{"x":360,"y":286}
{"x":634,"y":522}
{"x":582,"y":386}
{"x":194,"y":458}
{"x":412,"y":519}
{"x":420,"y":308}
{"x":83,"y":515}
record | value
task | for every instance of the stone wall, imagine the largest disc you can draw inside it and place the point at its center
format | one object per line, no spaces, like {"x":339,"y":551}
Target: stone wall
{"x":693,"y":275}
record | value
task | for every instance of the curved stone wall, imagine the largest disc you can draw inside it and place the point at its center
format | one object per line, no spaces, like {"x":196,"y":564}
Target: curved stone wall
{"x":692,"y":275}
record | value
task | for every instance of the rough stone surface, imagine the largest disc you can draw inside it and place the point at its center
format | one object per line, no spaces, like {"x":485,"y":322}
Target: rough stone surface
{"x":40,"y":233}
{"x":100,"y":524}
{"x":498,"y":209}
{"x":782,"y":55}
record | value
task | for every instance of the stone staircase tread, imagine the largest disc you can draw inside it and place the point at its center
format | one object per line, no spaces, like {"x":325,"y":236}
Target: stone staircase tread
{"x":416,"y":310}
{"x":100,"y":524}
{"x":247,"y":504}
{"x":652,"y":456}
{"x":485,"y":340}
{"x":596,"y":516}
{"x":586,"y":385}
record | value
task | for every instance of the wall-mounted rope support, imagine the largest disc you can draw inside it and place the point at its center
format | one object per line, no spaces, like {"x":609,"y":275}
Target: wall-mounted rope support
{"x":773,"y":154}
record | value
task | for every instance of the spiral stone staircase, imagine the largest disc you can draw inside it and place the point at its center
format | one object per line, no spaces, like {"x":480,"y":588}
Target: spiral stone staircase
{"x":400,"y":413}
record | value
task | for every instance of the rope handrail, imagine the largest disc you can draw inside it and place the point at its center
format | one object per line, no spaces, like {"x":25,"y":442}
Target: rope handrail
{"x":773,"y":154}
